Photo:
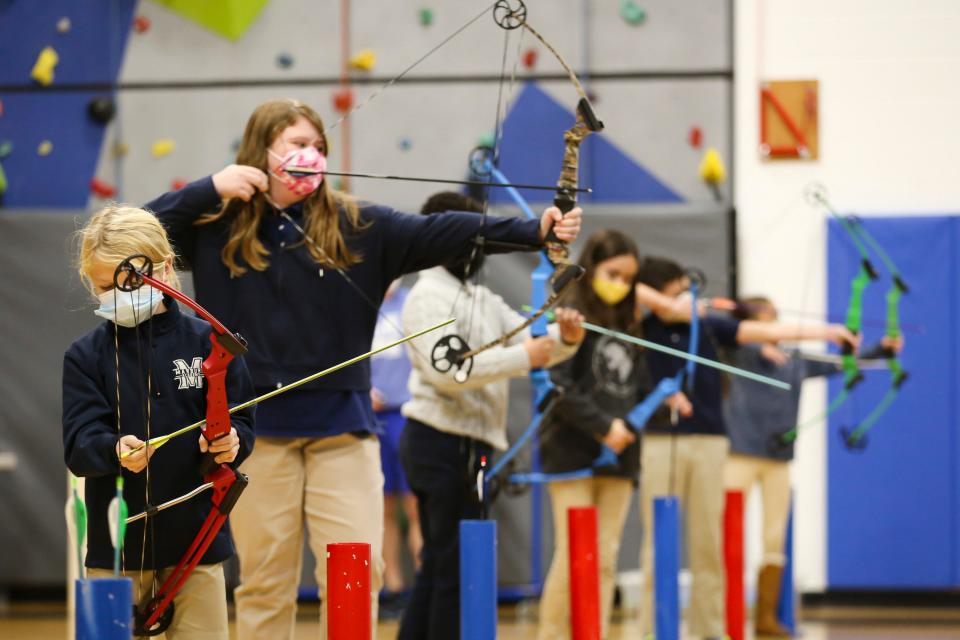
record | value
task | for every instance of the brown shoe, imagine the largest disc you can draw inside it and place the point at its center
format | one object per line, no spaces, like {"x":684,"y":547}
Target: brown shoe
{"x":768,"y":596}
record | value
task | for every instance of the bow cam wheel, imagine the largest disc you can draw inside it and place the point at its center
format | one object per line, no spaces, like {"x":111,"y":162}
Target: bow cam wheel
{"x":508,"y":16}
{"x":129,"y":274}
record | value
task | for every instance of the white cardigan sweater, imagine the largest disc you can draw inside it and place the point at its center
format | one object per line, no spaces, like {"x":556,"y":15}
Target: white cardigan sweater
{"x":478,"y":407}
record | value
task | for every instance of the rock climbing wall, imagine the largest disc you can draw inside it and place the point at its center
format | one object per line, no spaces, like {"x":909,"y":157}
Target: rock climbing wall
{"x":184,"y":79}
{"x":123,"y":100}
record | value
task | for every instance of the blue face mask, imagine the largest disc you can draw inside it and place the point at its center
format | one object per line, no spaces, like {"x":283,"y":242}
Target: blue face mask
{"x":128,"y":309}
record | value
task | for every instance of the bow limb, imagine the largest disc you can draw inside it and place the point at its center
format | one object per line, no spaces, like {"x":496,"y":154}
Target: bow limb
{"x":154,"y":616}
{"x":586,"y":122}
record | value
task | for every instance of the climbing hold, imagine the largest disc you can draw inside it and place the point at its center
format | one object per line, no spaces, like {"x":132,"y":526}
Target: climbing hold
{"x":695,"y":137}
{"x":162,"y":147}
{"x":177,"y":183}
{"x":426,"y":17}
{"x":141,"y":24}
{"x":592,"y":96}
{"x":338,"y":184}
{"x":712,"y":170}
{"x":365,"y":60}
{"x":405,"y":143}
{"x":632,"y":13}
{"x":43,"y":68}
{"x":235,"y":145}
{"x":101,"y":109}
{"x":3,"y":181}
{"x":1,"y":107}
{"x":44,"y":148}
{"x":6,"y":148}
{"x":343,"y":99}
{"x":284,"y":60}
{"x":120,"y":149}
{"x":487,"y":139}
{"x":530,"y":58}
{"x":102,"y":189}
{"x":63,"y":25}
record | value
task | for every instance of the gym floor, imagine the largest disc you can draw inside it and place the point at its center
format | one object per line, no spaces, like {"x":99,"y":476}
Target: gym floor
{"x":43,"y":621}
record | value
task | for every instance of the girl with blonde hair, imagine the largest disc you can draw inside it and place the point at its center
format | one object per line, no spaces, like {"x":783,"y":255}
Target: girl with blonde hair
{"x":122,"y":386}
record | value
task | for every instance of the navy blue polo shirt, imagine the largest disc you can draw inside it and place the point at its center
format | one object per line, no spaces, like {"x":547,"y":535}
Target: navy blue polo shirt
{"x":299,"y":318}
{"x":707,"y":393}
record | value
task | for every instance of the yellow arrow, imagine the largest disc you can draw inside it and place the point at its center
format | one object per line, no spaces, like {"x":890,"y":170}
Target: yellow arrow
{"x":159,"y":441}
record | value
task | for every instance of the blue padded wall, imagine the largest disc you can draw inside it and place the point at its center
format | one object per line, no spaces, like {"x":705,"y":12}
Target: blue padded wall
{"x":532,"y":146}
{"x":893,"y":509}
{"x":90,"y":53}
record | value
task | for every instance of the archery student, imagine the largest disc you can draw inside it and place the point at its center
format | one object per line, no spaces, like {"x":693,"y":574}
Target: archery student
{"x":122,"y":384}
{"x":300,"y":268}
{"x":600,"y":385}
{"x":451,"y":426}
{"x":755,"y":415}
{"x":687,"y":458}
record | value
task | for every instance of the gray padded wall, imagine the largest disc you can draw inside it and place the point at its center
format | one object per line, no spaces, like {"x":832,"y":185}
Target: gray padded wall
{"x":44,"y":309}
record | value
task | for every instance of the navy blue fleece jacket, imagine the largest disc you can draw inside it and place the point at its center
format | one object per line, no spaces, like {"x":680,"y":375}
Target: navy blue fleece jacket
{"x":300,"y":318}
{"x":171,"y":346}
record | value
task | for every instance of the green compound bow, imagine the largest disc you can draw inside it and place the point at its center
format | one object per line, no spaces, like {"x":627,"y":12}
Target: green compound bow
{"x":855,"y":439}
{"x":867,"y":273}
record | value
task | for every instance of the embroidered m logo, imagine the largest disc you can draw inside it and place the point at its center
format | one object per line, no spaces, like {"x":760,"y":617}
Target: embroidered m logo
{"x":188,"y":375}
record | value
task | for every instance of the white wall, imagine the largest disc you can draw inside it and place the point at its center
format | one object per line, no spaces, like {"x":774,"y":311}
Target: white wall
{"x":889,"y":143}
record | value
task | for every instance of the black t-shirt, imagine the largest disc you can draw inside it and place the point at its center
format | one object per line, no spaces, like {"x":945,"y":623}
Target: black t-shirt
{"x":604,"y":380}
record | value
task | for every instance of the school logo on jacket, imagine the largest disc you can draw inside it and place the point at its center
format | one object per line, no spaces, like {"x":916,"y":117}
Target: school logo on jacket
{"x":188,"y":375}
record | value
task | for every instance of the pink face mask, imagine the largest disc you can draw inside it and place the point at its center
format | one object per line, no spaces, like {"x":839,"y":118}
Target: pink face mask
{"x":300,"y":170}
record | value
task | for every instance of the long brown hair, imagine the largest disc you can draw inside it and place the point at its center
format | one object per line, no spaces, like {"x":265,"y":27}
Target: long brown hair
{"x":601,"y":246}
{"x":320,"y":209}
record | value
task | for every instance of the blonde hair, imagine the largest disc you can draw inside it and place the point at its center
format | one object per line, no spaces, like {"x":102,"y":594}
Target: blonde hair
{"x":320,"y":209}
{"x":117,"y":232}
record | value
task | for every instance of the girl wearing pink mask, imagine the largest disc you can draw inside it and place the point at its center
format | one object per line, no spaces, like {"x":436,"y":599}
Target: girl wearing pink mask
{"x":299,"y":269}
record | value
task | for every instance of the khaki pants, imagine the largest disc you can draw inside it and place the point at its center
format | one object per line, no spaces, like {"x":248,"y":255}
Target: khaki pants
{"x":697,"y":472}
{"x":612,"y":499}
{"x":741,"y":474}
{"x":199,"y":608}
{"x":333,"y":487}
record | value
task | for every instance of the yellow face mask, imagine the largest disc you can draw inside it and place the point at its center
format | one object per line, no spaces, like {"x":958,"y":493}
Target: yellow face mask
{"x":610,"y":291}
